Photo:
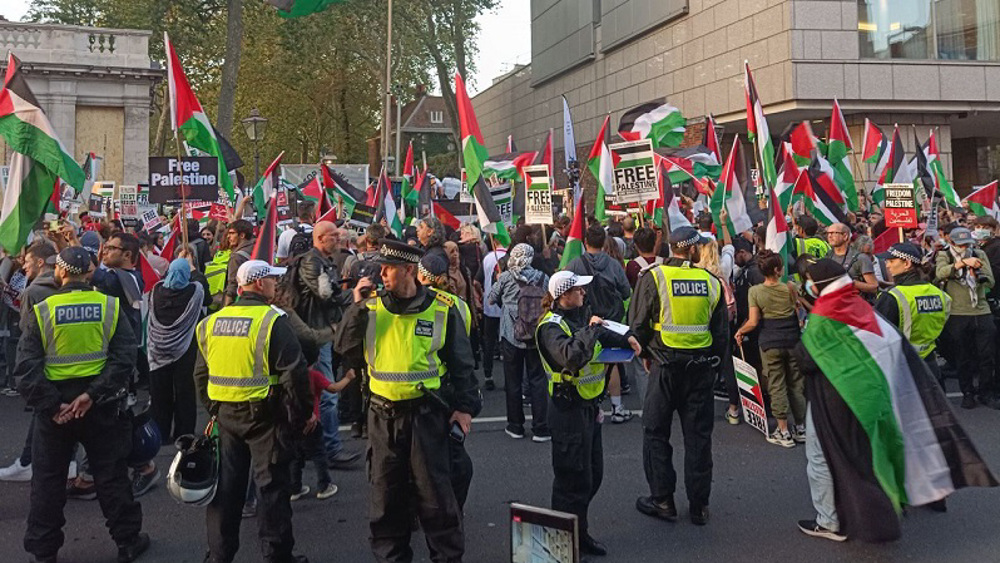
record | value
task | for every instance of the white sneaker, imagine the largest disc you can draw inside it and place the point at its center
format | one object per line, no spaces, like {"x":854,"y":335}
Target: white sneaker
{"x":71,"y":474}
{"x":302,"y":492}
{"x":328,"y":492}
{"x":783,"y":439}
{"x":621,"y":415}
{"x":16,"y":472}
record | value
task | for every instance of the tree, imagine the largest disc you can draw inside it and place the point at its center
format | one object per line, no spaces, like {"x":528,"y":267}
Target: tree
{"x":231,"y":66}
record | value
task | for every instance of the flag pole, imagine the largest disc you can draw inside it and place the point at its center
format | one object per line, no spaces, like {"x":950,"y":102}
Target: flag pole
{"x":183,"y":221}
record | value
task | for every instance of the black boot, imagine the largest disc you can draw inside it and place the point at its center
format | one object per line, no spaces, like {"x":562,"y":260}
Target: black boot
{"x":590,"y":546}
{"x":129,"y":552}
{"x":663,"y":509}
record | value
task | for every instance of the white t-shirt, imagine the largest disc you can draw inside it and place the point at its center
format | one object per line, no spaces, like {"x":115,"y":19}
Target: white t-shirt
{"x":489,"y":267}
{"x":285,"y":240}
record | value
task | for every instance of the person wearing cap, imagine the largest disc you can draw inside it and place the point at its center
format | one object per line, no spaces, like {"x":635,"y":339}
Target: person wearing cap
{"x":963,"y":270}
{"x":76,"y":356}
{"x":418,"y":356}
{"x":432,"y":273}
{"x":682,"y":324}
{"x":251,"y":375}
{"x":569,"y":343}
{"x":919,"y":308}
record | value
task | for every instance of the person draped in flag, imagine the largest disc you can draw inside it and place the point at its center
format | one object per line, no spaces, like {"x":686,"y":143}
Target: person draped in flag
{"x":965,"y":274}
{"x":880,"y":433}
{"x":680,"y":320}
{"x":917,"y":307}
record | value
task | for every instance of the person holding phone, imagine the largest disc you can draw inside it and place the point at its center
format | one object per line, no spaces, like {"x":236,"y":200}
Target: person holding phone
{"x":569,"y":342}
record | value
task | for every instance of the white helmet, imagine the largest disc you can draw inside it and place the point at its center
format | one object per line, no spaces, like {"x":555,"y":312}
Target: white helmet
{"x":194,"y":473}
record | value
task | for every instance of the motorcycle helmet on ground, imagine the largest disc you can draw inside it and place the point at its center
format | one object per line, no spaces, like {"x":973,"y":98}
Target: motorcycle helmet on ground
{"x":146,"y":439}
{"x":194,"y":473}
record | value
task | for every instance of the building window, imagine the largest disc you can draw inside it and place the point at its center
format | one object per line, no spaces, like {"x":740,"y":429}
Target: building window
{"x":929,"y":29}
{"x":437,"y":117}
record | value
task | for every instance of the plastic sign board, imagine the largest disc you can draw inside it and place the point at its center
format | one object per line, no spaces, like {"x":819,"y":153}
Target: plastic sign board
{"x":634,"y":175}
{"x":751,"y":396}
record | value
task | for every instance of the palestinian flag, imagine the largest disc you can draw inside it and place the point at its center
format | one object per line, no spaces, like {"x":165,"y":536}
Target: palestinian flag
{"x":937,"y":170}
{"x":313,"y":191}
{"x":983,"y":201}
{"x":757,"y":130}
{"x":923,"y":181}
{"x":574,"y":242}
{"x":338,"y":185}
{"x":802,"y":142}
{"x":873,"y":144}
{"x":656,"y":120}
{"x":892,"y":163}
{"x":267,"y":235}
{"x":444,"y":216}
{"x":39,"y":160}
{"x":299,"y":8}
{"x":821,"y":196}
{"x":629,"y":157}
{"x":729,"y":193}
{"x":188,"y":119}
{"x":599,"y":164}
{"x":91,"y":167}
{"x":787,"y":176}
{"x":388,"y":209}
{"x":837,"y":148}
{"x":171,"y":243}
{"x":508,"y":166}
{"x":711,"y":140}
{"x":149,"y":276}
{"x":544,"y":156}
{"x":267,"y":186}
{"x":473,"y":155}
{"x":885,"y":426}
{"x":409,"y":194}
{"x":778,"y":239}
{"x":665,"y":210}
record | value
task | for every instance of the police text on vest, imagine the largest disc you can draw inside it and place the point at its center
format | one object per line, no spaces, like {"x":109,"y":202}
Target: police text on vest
{"x":689,"y":288}
{"x":929,"y":304}
{"x":231,"y":326}
{"x":80,"y":313}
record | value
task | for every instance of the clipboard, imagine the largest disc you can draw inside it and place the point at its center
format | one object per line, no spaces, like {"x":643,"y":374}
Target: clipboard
{"x":615,"y":356}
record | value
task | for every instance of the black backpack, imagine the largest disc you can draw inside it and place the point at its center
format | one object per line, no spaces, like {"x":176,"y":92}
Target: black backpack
{"x":602,"y":298}
{"x":529,"y":312}
{"x":300,"y":243}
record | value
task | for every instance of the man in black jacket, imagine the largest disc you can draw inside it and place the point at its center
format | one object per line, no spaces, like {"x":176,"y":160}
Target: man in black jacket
{"x":241,"y":242}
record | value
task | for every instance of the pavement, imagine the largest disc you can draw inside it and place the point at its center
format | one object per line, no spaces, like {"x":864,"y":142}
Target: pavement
{"x":759,"y":493}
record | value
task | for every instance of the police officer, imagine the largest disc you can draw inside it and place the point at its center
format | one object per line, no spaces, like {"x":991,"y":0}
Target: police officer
{"x":681,"y":323}
{"x":569,"y":343}
{"x":251,"y":374}
{"x":76,"y":356}
{"x":415,"y":346}
{"x":432,"y":273}
{"x":919,"y":308}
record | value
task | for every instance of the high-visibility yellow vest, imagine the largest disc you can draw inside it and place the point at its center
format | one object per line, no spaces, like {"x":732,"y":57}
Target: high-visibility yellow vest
{"x":589,"y":381}
{"x":215,"y":272}
{"x":687,"y":298}
{"x":923,"y":311}
{"x":402,"y":350}
{"x":817,"y":247}
{"x":234,"y":343}
{"x":76,"y":328}
{"x":461,"y":305}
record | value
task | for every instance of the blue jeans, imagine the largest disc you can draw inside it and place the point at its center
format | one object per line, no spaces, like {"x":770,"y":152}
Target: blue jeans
{"x":820,"y":479}
{"x":328,"y":415}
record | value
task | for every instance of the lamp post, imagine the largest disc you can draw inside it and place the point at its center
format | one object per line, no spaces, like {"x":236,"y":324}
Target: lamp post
{"x":255,"y":126}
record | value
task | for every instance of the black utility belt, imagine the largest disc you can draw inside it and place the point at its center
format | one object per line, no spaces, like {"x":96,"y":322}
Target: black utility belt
{"x":389,"y":405}
{"x":692,"y":359}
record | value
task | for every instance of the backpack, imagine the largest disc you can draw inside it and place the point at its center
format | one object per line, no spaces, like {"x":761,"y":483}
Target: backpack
{"x":300,"y":244}
{"x":529,"y":311}
{"x":603,"y":299}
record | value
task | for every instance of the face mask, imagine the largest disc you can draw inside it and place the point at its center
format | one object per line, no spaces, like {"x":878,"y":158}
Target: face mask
{"x":811,"y":289}
{"x":981,"y":234}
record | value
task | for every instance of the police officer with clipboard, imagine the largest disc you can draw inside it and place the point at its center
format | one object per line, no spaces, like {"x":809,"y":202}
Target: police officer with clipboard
{"x":680,"y":320}
{"x":76,"y":356}
{"x":419,"y":360}
{"x":251,"y":375}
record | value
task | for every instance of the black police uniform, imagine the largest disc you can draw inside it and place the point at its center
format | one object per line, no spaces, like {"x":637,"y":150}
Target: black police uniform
{"x":105,"y":432}
{"x":409,"y":455}
{"x":680,"y":381}
{"x":577,"y":450}
{"x":258,"y":435}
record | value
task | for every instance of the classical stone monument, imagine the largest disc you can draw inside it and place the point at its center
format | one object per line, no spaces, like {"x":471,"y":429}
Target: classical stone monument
{"x":96,"y":86}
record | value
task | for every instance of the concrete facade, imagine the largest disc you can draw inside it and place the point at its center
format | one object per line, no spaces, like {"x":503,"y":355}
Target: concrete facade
{"x":803,"y":53}
{"x":95,"y":85}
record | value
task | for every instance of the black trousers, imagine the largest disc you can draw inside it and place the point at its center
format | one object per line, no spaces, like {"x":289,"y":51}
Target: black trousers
{"x":577,"y":458}
{"x":491,"y":339}
{"x":974,"y":337}
{"x":107,"y":437}
{"x":409,"y":467}
{"x":461,"y":472}
{"x":173,"y":404}
{"x":248,"y":438}
{"x":686,"y":389}
{"x":518,"y":364}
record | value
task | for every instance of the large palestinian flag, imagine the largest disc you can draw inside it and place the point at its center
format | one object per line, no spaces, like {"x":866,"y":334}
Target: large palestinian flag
{"x":983,"y":201}
{"x":729,"y":193}
{"x":599,"y":164}
{"x":837,"y":148}
{"x":821,"y":196}
{"x":757,"y":129}
{"x":884,"y":424}
{"x":656,"y":120}
{"x":39,"y":159}
{"x":188,"y":119}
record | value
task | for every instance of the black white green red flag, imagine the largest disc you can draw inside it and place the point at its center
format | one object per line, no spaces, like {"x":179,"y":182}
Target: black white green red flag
{"x":267,"y":186}
{"x":937,"y":172}
{"x":821,"y":195}
{"x":657,"y":120}
{"x":574,"y":240}
{"x":188,"y":119}
{"x":264,"y":247}
{"x":39,"y":159}
{"x":599,"y":164}
{"x":778,"y":239}
{"x":895,"y":171}
{"x":788,"y":174}
{"x":409,"y":195}
{"x":983,"y":201}
{"x":838,"y":148}
{"x":729,"y":193}
{"x":507,"y":167}
{"x":758,"y":131}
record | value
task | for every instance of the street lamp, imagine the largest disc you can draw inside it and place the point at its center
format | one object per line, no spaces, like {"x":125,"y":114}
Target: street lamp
{"x":328,"y":159}
{"x":255,"y":126}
